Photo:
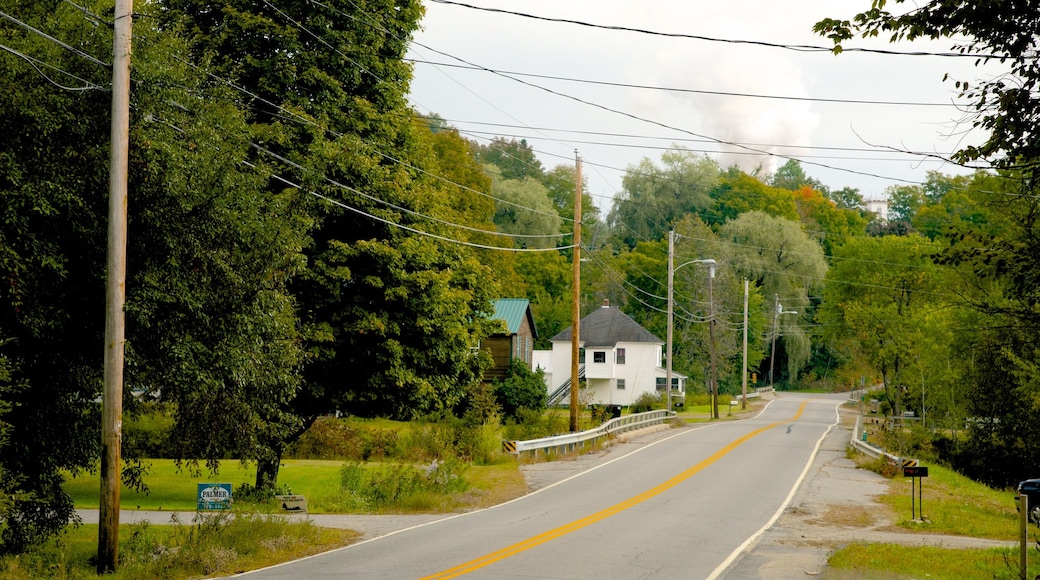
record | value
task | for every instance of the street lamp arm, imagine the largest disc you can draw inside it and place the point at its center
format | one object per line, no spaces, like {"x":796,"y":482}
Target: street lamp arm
{"x":708,"y":261}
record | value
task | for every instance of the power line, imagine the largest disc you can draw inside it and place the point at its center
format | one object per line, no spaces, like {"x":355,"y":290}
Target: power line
{"x":67,"y":47}
{"x":37,"y":63}
{"x":689,"y":91}
{"x":794,"y":47}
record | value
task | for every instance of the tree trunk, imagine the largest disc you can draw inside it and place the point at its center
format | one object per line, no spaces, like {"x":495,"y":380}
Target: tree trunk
{"x":267,"y":471}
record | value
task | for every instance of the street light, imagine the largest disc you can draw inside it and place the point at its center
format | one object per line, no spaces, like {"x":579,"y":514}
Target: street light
{"x":671,"y":300}
{"x":776,"y":315}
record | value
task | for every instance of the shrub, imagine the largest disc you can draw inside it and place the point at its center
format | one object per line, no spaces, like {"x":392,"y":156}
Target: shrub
{"x":531,"y":424}
{"x":384,"y":486}
{"x":147,"y":433}
{"x":521,"y":389}
{"x":335,"y":438}
{"x":327,"y":438}
{"x":646,"y":402}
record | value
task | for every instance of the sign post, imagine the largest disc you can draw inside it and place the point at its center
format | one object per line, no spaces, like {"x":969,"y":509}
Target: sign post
{"x":915,"y":473}
{"x":1023,"y":535}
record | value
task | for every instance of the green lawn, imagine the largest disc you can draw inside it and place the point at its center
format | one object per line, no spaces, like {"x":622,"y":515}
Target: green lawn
{"x":175,"y":490}
{"x":890,"y":561}
{"x":953,"y":505}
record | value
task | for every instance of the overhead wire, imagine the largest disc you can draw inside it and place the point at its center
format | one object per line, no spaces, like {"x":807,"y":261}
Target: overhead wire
{"x":793,"y":47}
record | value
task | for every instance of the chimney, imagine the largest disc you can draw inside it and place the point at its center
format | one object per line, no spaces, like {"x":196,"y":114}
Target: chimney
{"x":606,"y":303}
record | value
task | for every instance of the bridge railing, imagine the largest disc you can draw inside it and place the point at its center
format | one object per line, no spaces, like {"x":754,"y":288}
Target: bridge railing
{"x":572,"y":441}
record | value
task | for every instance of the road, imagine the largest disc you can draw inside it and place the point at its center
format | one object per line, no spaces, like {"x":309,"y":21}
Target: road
{"x":684,"y":506}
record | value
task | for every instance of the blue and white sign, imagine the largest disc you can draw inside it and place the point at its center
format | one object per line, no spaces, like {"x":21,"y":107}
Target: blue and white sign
{"x":214,"y":496}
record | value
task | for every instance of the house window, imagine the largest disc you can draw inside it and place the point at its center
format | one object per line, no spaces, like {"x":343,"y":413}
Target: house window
{"x":661,"y":382}
{"x":621,"y":384}
{"x":581,"y":355}
{"x":599,"y":356}
{"x":619,"y":357}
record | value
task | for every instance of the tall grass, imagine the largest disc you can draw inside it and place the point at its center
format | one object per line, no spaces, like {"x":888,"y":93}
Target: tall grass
{"x":211,"y":544}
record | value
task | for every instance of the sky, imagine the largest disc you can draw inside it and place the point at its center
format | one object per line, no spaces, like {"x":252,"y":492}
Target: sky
{"x":842,"y":144}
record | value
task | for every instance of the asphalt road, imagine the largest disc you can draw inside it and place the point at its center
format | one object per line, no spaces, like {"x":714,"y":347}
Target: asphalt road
{"x":684,"y":506}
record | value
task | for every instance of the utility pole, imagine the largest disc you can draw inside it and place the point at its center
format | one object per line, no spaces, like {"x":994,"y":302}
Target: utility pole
{"x":668,"y":358}
{"x":772,"y":352}
{"x":743,"y":373}
{"x":115,"y":293}
{"x":711,"y":337}
{"x":576,"y":294}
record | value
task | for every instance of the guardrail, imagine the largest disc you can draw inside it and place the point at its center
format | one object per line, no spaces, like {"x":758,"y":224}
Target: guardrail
{"x":758,"y":393}
{"x":868,"y":449}
{"x":571,"y":441}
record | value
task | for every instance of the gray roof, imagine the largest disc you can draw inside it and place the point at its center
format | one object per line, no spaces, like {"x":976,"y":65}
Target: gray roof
{"x":607,"y":326}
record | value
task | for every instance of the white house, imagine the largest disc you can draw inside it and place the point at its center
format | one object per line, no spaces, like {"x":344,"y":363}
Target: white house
{"x":879,"y":207}
{"x":619,"y":360}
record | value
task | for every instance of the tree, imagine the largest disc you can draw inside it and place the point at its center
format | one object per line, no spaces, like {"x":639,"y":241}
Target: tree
{"x":523,"y":208}
{"x":792,"y":177}
{"x":388,"y":315}
{"x":209,"y":321}
{"x":995,"y":262}
{"x":880,"y":293}
{"x":905,"y":201}
{"x":739,"y":193}
{"x":825,"y":221}
{"x":513,"y":159}
{"x":782,"y":261}
{"x":846,"y":198}
{"x":654,"y":197}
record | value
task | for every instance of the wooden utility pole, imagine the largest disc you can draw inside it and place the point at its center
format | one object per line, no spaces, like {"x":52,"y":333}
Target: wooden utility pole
{"x":115,"y":293}
{"x":576,"y":294}
{"x":743,"y":373}
{"x":711,"y":337}
{"x":671,"y":299}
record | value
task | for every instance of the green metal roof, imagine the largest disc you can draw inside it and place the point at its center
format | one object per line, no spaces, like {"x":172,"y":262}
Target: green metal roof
{"x":513,"y":311}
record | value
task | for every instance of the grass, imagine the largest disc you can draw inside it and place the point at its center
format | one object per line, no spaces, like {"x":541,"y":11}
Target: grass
{"x":893,"y":562}
{"x":216,"y":545}
{"x":317,"y":480}
{"x":953,"y":505}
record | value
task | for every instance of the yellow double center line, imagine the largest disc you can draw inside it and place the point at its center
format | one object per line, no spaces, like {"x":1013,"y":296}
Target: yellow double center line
{"x":576,"y":525}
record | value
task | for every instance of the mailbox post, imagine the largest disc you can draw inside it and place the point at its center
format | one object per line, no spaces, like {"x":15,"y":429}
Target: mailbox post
{"x":915,"y":473}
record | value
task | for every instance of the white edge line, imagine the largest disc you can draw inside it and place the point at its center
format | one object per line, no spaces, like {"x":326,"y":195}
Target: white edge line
{"x":516,"y":499}
{"x":790,"y":496}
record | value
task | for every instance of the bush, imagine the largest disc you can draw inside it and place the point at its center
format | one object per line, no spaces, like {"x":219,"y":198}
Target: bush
{"x":521,"y":389}
{"x":531,"y":424}
{"x":334,"y":438}
{"x":646,"y":402}
{"x":147,"y":434}
{"x":446,"y":437}
{"x":380,"y":487}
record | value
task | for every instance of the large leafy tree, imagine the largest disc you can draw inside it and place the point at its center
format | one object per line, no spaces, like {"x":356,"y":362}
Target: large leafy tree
{"x":778,"y":257}
{"x":209,"y":322}
{"x":881,"y":294}
{"x":997,"y":258}
{"x":523,"y":208}
{"x":513,"y":159}
{"x":739,"y":193}
{"x":389,"y":312}
{"x":654,"y":197}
